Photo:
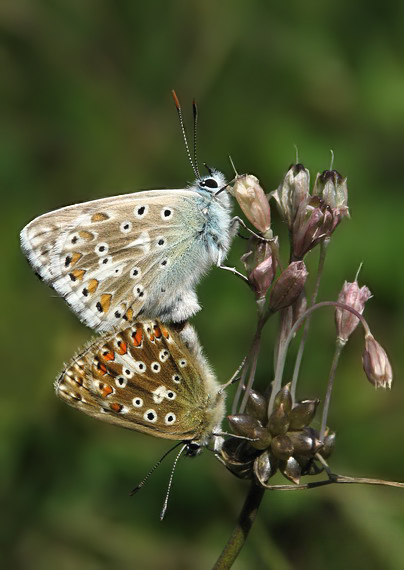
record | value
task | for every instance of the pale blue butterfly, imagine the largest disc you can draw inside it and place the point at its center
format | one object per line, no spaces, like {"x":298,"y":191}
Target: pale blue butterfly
{"x":136,"y":254}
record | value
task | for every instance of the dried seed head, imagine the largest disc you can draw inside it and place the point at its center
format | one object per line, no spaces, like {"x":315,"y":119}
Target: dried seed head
{"x":293,"y":189}
{"x":257,"y":406}
{"x":302,"y":414}
{"x":288,"y":287}
{"x":253,"y":201}
{"x":282,"y":447}
{"x":376,"y":364}
{"x":278,"y":422}
{"x":354,"y":296}
{"x":244,"y":425}
{"x":264,"y":467}
{"x":291,"y":470}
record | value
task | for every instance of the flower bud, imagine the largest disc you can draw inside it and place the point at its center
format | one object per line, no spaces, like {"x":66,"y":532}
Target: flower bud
{"x":260,"y":263}
{"x":353,"y":296}
{"x":376,"y":364}
{"x":288,"y":286}
{"x":313,"y":223}
{"x":253,"y":201}
{"x":332,"y":188}
{"x":293,"y":189}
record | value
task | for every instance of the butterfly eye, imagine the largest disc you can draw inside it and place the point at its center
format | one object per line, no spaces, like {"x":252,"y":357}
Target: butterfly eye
{"x":209,"y":183}
{"x":137,"y":402}
{"x":170,"y":418}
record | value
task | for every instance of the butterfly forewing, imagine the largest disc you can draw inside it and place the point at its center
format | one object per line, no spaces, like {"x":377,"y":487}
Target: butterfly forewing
{"x":145,"y":378}
{"x":115,"y":258}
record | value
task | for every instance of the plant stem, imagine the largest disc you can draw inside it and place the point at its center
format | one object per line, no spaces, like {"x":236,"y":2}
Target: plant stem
{"x":242,"y":528}
{"x":327,"y":400}
{"x":320,"y":269}
{"x":277,"y":381}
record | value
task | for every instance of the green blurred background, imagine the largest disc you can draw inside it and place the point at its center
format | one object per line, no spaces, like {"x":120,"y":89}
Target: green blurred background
{"x":86,"y":112}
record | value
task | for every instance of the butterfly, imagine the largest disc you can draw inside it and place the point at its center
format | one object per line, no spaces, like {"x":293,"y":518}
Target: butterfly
{"x":139,"y":254}
{"x":151,"y":378}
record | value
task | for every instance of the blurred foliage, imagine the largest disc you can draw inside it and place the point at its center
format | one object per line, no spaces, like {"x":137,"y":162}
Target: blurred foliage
{"x":86,"y":113}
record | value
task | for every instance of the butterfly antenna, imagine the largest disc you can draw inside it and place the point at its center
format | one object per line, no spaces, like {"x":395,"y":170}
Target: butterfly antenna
{"x":164,"y":509}
{"x":195,"y":113}
{"x":184,"y":134}
{"x":152,"y":470}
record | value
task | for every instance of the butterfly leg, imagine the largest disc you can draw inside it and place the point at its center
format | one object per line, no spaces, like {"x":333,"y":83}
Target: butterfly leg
{"x":234,"y":271}
{"x":236,"y":222}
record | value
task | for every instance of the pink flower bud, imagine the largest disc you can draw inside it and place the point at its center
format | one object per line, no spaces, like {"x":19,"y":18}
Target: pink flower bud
{"x":376,"y":364}
{"x":314,"y":222}
{"x":332,"y":188}
{"x":288,"y":286}
{"x":260,"y":263}
{"x":293,"y":189}
{"x":354,"y":296}
{"x":252,"y":200}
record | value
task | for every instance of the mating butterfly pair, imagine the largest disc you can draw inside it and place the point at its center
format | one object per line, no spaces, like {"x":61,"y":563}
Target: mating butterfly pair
{"x":134,"y":260}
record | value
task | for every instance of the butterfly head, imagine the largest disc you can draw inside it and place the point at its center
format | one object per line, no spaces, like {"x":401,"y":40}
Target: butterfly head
{"x":212,"y":182}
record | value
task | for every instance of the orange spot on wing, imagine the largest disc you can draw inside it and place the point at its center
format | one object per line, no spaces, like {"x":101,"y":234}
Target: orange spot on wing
{"x":92,"y":285}
{"x":99,"y":217}
{"x":75,"y":257}
{"x":165,"y":332}
{"x":157,"y":331}
{"x":106,"y":390}
{"x":108,"y":355}
{"x":105,"y":301}
{"x":78,"y":274}
{"x":129,"y":314}
{"x":138,"y":335}
{"x":86,"y":235}
{"x":101,"y":368}
{"x":116,"y":407}
{"x":122,"y":347}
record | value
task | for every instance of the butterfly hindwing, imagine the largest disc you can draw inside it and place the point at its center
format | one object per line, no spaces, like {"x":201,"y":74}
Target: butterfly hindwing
{"x":148,"y":377}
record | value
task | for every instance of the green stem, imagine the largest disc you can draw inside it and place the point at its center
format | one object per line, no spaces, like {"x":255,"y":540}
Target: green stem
{"x":327,"y":400}
{"x":242,"y":528}
{"x":320,"y":269}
